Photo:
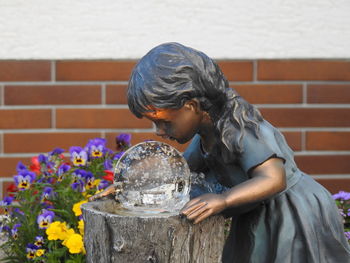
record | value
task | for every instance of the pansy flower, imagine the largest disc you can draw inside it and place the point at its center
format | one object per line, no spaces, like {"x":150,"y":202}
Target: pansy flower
{"x":62,"y":169}
{"x":78,"y":186}
{"x":47,"y":194}
{"x":6,"y":202}
{"x":78,"y":156}
{"x":89,"y":180}
{"x":21,"y":167}
{"x":39,"y":241}
{"x":45,"y":219}
{"x":118,"y":156}
{"x":56,"y":151}
{"x":123,"y":141}
{"x":108,"y":165}
{"x":103,"y":184}
{"x":31,"y":251}
{"x":96,"y":147}
{"x":14,"y":231}
{"x":24,"y":179}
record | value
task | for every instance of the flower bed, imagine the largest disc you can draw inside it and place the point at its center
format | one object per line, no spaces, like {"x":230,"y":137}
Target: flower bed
{"x":42,"y":218}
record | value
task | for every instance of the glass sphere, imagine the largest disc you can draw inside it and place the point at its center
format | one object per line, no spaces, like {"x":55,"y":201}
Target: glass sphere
{"x":154,"y":177}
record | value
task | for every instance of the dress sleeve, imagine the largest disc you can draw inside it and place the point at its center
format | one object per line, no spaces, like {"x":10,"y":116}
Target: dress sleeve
{"x":258,"y":150}
{"x":194,"y":157}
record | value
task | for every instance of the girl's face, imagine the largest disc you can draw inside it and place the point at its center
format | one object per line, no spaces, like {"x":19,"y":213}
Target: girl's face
{"x":177,"y":124}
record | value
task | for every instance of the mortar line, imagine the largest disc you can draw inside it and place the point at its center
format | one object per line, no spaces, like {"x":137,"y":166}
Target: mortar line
{"x":303,"y":140}
{"x":53,"y":118}
{"x":304,"y":90}
{"x":2,"y":95}
{"x":103,"y":95}
{"x":53,"y":71}
{"x":1,"y":142}
{"x":255,"y":71}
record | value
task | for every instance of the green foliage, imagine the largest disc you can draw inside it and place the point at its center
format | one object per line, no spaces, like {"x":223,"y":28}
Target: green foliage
{"x":43,"y":221}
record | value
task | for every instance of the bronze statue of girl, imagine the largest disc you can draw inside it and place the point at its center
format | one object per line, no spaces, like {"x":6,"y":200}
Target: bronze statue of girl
{"x":279,"y":214}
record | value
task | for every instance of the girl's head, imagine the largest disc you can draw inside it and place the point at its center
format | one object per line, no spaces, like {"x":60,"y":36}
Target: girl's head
{"x":171,"y":74}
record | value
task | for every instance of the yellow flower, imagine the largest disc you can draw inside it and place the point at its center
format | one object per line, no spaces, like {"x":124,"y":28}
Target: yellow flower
{"x":74,"y":243}
{"x":81,"y":227}
{"x":58,"y":230}
{"x":40,"y":252}
{"x":97,"y":182}
{"x":76,"y":207}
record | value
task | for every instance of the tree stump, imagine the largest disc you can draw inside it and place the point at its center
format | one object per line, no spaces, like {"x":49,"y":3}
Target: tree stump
{"x":160,"y":238}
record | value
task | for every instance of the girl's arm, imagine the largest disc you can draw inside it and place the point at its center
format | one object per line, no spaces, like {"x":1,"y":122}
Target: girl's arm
{"x":267,"y":180}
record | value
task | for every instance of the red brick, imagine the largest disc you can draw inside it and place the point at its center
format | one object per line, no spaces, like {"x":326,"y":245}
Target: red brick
{"x":99,"y":118}
{"x":307,"y":117}
{"x":260,"y":93}
{"x":25,"y":70}
{"x":303,"y":70}
{"x":44,"y":142}
{"x":141,"y":137}
{"x":328,"y":141}
{"x":237,"y":70}
{"x":116,"y":94}
{"x":52,"y":95}
{"x":324,"y":164}
{"x":335,"y":185}
{"x":25,"y":119}
{"x":94,"y":70}
{"x":294,"y":140}
{"x":328,"y":94}
{"x":8,"y":165}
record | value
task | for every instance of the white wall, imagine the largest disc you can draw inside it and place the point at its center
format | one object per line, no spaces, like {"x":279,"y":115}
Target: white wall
{"x":119,"y":29}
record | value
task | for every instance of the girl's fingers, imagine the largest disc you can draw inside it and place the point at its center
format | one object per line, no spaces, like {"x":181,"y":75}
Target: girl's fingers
{"x":198,"y":211}
{"x":202,"y":216}
{"x":194,"y":207}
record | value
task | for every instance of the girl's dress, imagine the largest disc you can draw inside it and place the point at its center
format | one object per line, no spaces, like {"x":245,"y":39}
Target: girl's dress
{"x":300,"y":224}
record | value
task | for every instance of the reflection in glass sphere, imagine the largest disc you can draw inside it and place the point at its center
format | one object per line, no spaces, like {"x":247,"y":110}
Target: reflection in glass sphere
{"x":154,"y":176}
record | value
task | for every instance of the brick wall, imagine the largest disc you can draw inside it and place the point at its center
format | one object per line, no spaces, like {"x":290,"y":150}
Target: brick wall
{"x":48,"y":104}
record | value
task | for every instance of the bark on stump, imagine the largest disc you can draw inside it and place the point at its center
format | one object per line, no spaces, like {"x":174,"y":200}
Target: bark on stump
{"x":110,"y":237}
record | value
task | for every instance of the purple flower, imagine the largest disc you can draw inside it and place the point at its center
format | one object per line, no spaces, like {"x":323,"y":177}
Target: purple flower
{"x":14,"y":231}
{"x":45,"y":219}
{"x":123,"y":141}
{"x":6,"y":229}
{"x":79,"y":174}
{"x":342,"y":195}
{"x":24,"y":179}
{"x":108,"y":165}
{"x":7,"y":201}
{"x":78,"y":186}
{"x":56,"y":151}
{"x":103,"y":184}
{"x":78,"y":156}
{"x":96,"y":147}
{"x":39,"y":241}
{"x":118,"y":156}
{"x":18,"y":211}
{"x":21,"y":167}
{"x":62,"y":169}
{"x":42,"y":159}
{"x":47,"y":194}
{"x":31,"y":251}
{"x":89,"y":180}
{"x":347,"y":234}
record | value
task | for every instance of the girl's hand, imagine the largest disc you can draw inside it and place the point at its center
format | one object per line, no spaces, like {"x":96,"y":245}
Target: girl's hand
{"x":204,"y":206}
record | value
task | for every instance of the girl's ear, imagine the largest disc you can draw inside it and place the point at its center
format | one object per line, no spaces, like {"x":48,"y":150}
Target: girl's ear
{"x":193,"y":105}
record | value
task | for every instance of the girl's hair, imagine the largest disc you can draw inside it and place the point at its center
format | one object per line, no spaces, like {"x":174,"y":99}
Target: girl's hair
{"x":171,"y":74}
